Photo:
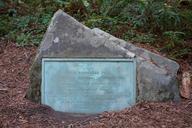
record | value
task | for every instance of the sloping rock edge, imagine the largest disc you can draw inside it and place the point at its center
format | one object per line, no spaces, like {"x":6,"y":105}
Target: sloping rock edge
{"x":156,"y":75}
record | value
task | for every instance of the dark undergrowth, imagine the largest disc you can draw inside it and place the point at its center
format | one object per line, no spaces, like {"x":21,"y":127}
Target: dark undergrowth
{"x":164,"y":24}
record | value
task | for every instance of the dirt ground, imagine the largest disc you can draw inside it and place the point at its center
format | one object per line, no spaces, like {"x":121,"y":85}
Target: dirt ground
{"x":18,"y":112}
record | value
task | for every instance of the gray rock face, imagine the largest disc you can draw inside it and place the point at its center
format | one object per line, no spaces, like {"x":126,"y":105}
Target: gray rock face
{"x":66,"y":37}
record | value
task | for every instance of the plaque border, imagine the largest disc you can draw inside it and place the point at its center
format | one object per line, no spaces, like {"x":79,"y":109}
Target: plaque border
{"x":44,"y":60}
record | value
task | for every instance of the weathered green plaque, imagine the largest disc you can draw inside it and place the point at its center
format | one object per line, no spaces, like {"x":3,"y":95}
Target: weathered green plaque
{"x":88,"y":86}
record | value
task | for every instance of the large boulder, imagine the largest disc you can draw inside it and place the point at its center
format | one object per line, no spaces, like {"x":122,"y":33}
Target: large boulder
{"x":67,"y":38}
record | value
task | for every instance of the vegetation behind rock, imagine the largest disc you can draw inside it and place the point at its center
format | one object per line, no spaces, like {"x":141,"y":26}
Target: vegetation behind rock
{"x":165,"y":24}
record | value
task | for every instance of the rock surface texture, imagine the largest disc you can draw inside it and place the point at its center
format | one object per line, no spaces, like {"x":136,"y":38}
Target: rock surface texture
{"x":67,"y":38}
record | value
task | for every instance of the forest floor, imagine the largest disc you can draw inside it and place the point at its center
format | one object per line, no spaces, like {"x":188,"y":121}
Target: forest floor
{"x":18,"y":112}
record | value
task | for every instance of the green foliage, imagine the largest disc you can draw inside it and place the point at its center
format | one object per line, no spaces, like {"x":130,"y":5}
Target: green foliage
{"x":26,"y":29}
{"x":175,"y":44}
{"x":22,"y":39}
{"x":139,"y":37}
{"x":2,"y":4}
{"x":159,"y":22}
{"x":78,"y":8}
{"x":5,"y":25}
{"x":186,"y":18}
{"x":173,"y":38}
{"x":151,"y":15}
{"x":167,"y":18}
{"x":101,"y":22}
{"x":180,"y":53}
{"x":112,"y":7}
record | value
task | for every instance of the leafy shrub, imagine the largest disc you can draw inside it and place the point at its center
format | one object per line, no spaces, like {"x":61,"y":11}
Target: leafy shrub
{"x":139,"y":37}
{"x":5,"y":25}
{"x":167,"y":18}
{"x":173,"y":38}
{"x":167,"y":23}
{"x":27,"y":29}
{"x":151,"y":15}
{"x":186,"y":20}
{"x":101,"y":22}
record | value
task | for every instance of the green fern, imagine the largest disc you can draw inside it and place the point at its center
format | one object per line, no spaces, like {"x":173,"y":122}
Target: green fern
{"x":173,"y":39}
